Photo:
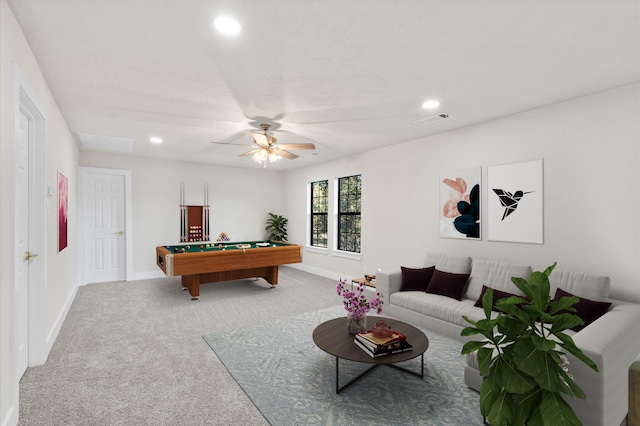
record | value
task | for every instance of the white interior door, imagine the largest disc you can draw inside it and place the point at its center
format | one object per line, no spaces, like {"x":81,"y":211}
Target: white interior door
{"x":22,"y":244}
{"x":104,"y":198}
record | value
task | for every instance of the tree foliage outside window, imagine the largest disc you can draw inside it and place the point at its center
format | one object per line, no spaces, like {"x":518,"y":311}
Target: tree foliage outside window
{"x":319,"y":213}
{"x":349,"y":195}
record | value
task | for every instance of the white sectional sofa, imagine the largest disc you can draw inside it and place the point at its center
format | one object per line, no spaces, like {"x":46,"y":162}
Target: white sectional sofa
{"x":612,"y":341}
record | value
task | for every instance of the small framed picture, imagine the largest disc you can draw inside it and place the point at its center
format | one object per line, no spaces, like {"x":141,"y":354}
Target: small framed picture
{"x":63,"y":208}
{"x":460,"y":204}
{"x":515,"y":202}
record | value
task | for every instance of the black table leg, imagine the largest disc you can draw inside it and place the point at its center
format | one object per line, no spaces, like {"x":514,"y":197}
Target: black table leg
{"x":420,"y":374}
{"x":352,"y":381}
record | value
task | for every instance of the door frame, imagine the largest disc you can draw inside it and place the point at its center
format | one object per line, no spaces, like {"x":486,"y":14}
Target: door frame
{"x":25,"y":100}
{"x":82,"y":216}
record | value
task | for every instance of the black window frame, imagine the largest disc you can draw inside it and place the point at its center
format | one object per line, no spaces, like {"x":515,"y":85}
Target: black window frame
{"x":349,"y":223}
{"x":319,"y":221}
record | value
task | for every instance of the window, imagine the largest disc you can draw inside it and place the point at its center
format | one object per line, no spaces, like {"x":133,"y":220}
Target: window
{"x":349,"y":194}
{"x":319,"y":213}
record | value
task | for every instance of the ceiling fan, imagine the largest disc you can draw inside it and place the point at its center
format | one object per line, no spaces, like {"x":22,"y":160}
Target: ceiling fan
{"x":267,"y":147}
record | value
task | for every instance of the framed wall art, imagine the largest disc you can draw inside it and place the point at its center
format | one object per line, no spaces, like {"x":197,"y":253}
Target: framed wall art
{"x":460,"y":203}
{"x":515,"y":197}
{"x":63,"y":208}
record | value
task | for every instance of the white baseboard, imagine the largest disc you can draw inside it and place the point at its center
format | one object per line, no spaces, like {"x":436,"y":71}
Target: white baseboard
{"x":318,"y":271}
{"x":137,"y":276}
{"x":11,"y":418}
{"x":51,"y":338}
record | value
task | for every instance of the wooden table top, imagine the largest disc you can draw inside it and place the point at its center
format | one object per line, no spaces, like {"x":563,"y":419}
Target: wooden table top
{"x":334,"y":338}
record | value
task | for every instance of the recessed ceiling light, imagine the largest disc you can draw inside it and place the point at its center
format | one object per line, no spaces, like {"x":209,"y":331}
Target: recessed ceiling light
{"x":431,"y":104}
{"x":227,"y":25}
{"x":155,"y":139}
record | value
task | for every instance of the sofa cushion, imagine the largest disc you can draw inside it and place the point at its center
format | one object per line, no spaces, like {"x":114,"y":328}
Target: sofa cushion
{"x":587,"y":310}
{"x":416,"y":279}
{"x":496,"y":275}
{"x":497,"y":295}
{"x":582,"y":285}
{"x":447,"y":284}
{"x":448,"y":263}
{"x":436,"y":306}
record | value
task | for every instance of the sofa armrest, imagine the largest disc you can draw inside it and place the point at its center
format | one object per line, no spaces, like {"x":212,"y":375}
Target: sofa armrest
{"x":634,"y":393}
{"x":388,"y":283}
{"x":610,"y":343}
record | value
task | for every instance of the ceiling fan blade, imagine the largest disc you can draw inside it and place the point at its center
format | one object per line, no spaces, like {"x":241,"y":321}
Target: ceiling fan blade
{"x":228,"y":143}
{"x":285,"y":154}
{"x":295,"y":146}
{"x":253,"y":151}
{"x":261,"y":139}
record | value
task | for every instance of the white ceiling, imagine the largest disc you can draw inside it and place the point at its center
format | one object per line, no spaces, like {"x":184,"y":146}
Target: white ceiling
{"x":349,"y":76}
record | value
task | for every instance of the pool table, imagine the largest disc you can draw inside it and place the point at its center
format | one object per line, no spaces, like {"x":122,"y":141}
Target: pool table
{"x":208,"y":262}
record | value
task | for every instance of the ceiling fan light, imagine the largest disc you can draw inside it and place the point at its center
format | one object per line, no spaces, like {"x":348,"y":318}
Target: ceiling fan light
{"x":261,"y":155}
{"x":273,"y":157}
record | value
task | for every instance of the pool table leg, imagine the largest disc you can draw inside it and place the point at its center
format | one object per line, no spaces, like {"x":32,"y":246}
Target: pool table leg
{"x":272,"y":276}
{"x":192,"y":283}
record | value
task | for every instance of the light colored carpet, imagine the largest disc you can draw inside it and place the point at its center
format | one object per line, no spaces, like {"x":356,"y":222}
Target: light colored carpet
{"x":131,"y":353}
{"x":292,"y":382}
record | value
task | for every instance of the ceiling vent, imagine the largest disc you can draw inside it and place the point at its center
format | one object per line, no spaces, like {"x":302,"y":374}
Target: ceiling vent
{"x":432,"y":119}
{"x":92,"y":142}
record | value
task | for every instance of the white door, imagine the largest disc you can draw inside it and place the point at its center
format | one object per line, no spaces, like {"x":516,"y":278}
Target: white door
{"x":105,"y":227}
{"x":22,"y":244}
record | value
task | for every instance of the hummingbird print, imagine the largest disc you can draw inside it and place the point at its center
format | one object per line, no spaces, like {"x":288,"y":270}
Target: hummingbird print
{"x":509,"y":201}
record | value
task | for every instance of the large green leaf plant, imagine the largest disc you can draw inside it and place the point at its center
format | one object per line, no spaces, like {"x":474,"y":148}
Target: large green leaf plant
{"x":276,"y":227}
{"x":523,"y":356}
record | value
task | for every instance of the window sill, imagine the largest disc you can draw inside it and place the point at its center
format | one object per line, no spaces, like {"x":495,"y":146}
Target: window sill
{"x":347,"y":254}
{"x":319,"y":250}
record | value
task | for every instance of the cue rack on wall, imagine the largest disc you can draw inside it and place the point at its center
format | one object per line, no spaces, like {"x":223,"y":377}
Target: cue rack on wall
{"x":194,"y":220}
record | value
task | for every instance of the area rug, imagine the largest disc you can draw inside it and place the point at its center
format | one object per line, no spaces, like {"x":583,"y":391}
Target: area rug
{"x":292,"y":382}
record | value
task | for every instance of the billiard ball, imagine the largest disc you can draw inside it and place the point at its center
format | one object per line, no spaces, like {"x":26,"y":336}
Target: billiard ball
{"x":201,"y":247}
{"x":175,"y":249}
{"x":184,"y":250}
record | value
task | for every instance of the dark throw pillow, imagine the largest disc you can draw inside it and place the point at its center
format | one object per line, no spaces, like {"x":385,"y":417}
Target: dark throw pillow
{"x":587,"y":310}
{"x":497,"y":295}
{"x":416,"y":279}
{"x":447,"y":284}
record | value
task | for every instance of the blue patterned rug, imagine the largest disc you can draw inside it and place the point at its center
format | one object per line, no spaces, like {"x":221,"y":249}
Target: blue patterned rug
{"x":292,"y":382}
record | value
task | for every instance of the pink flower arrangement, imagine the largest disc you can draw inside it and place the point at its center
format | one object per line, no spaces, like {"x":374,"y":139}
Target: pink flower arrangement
{"x":356,"y":303}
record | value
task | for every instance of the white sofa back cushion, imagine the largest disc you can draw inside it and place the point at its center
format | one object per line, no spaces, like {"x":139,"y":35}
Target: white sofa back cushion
{"x":496,"y":275}
{"x":448,"y":263}
{"x":582,"y":285}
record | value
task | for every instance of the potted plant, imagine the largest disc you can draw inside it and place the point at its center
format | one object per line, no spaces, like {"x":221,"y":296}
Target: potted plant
{"x":276,"y":227}
{"x":523,"y":356}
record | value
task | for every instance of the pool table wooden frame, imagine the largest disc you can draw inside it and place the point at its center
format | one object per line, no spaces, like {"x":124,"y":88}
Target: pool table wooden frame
{"x":225,"y":265}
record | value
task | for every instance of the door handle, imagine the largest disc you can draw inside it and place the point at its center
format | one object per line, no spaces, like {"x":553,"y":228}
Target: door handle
{"x":119,"y":233}
{"x":28,"y":255}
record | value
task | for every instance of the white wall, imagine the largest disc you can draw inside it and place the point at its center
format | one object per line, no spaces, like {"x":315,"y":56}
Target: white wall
{"x":61,"y":154}
{"x":590,"y":148}
{"x":240,"y":200}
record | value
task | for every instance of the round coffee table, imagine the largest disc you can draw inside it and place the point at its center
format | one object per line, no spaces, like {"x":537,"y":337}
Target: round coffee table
{"x":333,"y":337}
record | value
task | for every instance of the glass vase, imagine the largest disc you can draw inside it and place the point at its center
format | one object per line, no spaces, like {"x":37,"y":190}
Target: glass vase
{"x":356,"y":324}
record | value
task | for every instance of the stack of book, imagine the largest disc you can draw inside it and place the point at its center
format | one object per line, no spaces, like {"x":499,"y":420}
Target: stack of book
{"x":382,"y":346}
